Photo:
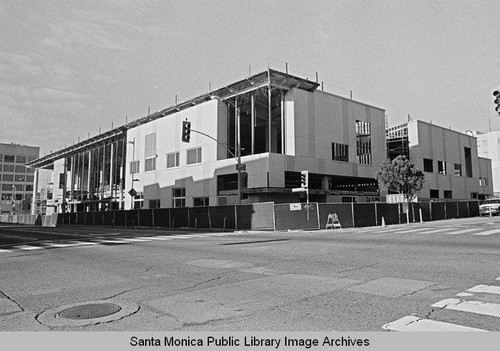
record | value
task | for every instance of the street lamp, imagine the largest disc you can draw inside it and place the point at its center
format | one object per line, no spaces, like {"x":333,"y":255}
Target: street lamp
{"x":132,"y":191}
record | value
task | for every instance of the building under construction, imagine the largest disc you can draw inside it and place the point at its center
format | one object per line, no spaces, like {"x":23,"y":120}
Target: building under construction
{"x":273,"y":124}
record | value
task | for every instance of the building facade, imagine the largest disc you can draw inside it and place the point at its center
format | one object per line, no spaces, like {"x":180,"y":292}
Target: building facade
{"x":16,"y":180}
{"x":488,"y":146}
{"x":275,"y":124}
{"x":449,"y":160}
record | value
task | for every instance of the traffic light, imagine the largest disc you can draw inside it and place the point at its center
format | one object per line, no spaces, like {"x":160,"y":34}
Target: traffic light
{"x":304,"y":179}
{"x":496,"y":94}
{"x":186,"y":131}
{"x":244,"y":180}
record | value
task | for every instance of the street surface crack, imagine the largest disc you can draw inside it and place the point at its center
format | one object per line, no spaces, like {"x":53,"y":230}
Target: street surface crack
{"x":12,"y":300}
{"x":416,"y":291}
{"x":121,"y":293}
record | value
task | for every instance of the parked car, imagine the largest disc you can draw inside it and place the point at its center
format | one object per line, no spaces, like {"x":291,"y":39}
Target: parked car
{"x":490,"y":206}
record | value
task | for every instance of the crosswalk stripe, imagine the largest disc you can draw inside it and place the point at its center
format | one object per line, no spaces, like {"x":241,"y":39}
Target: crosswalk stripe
{"x":412,"y":323}
{"x":136,"y":240}
{"x":463,"y":231}
{"x":489,"y":232}
{"x":58,"y":245}
{"x":1,"y":250}
{"x":157,"y":238}
{"x":489,"y":289}
{"x":405,"y":231}
{"x":112,"y":241}
{"x":28,"y":247}
{"x":484,"y":308}
{"x":438,"y":230}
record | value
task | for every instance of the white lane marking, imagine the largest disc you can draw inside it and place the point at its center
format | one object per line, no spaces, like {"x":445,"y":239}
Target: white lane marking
{"x":484,"y":308}
{"x":489,"y":232}
{"x":178,"y":236}
{"x":463,"y":231}
{"x":489,"y":289}
{"x":1,"y":250}
{"x":412,"y":323}
{"x":28,"y":247}
{"x":464,"y":294}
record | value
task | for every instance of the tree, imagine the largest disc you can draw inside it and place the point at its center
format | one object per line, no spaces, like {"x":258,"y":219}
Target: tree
{"x":400,"y":176}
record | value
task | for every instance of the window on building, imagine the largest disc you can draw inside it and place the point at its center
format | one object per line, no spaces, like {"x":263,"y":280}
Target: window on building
{"x":9,"y":158}
{"x":7,"y":187}
{"x":30,"y":179}
{"x":154,"y":203}
{"x":485,"y":181}
{"x":340,"y":152}
{"x":447,"y":194}
{"x":150,"y":152}
{"x":29,"y":187}
{"x":428,"y":165}
{"x":194,"y":156}
{"x":458,"y":169}
{"x":150,"y":164}
{"x":200,"y":201}
{"x":441,"y":167}
{"x":363,"y":143}
{"x":20,"y":169}
{"x":20,"y":178}
{"x":434,"y":193}
{"x":173,"y":160}
{"x":62,"y":180}
{"x":1,"y":158}
{"x":139,"y":200}
{"x":468,"y":161}
{"x":8,"y":178}
{"x":473,"y":195}
{"x":31,"y":158}
{"x":179,"y":197}
{"x":20,"y":159}
{"x":8,"y":168}
{"x":134,"y":167}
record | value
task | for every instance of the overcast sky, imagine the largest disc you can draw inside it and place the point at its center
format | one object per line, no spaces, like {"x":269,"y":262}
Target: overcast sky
{"x":70,"y":67}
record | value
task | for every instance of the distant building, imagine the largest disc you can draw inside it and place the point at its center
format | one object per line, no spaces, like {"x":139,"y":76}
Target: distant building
{"x":449,"y":159}
{"x":16,"y":180}
{"x":488,"y":146}
{"x":283,"y":124}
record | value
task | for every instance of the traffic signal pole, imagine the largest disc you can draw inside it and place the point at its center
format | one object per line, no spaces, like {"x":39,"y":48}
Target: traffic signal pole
{"x":237,"y":157}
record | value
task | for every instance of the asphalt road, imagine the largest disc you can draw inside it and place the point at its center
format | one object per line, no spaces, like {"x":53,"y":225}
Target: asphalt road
{"x":424,"y":276}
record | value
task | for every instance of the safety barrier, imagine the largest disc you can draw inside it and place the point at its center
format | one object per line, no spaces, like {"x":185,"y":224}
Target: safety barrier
{"x":262,"y":216}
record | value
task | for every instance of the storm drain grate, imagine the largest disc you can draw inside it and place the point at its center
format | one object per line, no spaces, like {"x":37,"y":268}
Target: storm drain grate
{"x":90,"y":311}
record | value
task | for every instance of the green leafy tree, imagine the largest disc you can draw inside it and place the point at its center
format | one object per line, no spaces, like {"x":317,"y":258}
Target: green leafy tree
{"x":400,"y":176}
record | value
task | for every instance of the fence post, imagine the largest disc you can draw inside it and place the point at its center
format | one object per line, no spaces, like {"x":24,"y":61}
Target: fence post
{"x":376,"y":214}
{"x":138,"y":218}
{"x":235,"y":217}
{"x":430,"y":210}
{"x":352,"y":210}
{"x":153,"y":217}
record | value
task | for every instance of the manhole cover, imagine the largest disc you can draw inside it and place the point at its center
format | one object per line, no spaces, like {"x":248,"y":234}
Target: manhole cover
{"x":90,"y":311}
